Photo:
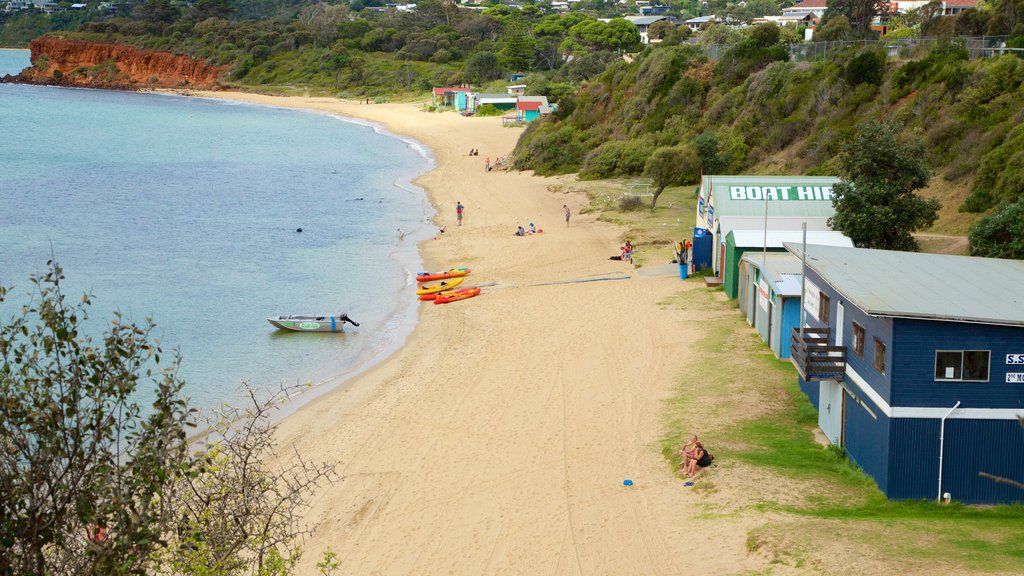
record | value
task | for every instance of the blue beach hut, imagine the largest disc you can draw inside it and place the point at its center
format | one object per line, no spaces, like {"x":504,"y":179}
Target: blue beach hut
{"x":915,"y":363}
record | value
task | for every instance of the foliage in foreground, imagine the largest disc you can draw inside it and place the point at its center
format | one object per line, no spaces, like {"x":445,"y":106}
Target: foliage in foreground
{"x":93,"y":482}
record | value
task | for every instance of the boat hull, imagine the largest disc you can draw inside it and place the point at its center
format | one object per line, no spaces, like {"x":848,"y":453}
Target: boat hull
{"x":310,"y":323}
{"x":431,"y":276}
{"x":439,"y":287}
{"x":456,"y":296}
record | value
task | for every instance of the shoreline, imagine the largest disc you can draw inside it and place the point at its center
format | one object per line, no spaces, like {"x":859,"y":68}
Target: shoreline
{"x":497,"y":438}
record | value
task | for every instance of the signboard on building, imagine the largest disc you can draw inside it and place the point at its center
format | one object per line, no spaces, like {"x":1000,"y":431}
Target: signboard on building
{"x":1015,"y":377}
{"x":812,"y":295}
{"x":762,"y":294}
{"x":780,"y":193}
{"x":1015,"y":359}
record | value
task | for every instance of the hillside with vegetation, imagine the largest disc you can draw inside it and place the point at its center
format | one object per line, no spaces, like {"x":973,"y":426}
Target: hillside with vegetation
{"x":755,"y":110}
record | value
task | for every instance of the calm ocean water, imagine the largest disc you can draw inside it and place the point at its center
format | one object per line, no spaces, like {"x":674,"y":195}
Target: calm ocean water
{"x":186,"y":210}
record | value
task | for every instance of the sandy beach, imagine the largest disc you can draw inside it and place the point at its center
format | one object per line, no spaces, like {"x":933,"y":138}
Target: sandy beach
{"x":497,"y":440}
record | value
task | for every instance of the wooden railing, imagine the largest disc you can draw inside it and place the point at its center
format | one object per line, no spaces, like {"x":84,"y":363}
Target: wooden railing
{"x":814,"y":358}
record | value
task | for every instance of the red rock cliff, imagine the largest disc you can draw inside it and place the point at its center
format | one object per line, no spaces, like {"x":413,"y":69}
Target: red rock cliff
{"x":99,"y":65}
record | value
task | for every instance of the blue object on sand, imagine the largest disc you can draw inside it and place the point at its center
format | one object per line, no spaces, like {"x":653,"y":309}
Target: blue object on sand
{"x":627,"y":482}
{"x":688,"y":483}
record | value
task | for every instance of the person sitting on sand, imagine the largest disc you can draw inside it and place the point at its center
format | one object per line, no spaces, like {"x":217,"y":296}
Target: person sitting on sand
{"x":532,"y":230}
{"x":521,"y":231}
{"x":627,"y":252}
{"x":699,"y":458}
{"x":686,"y":452}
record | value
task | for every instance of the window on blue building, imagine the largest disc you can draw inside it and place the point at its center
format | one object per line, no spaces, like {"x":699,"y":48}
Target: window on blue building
{"x":858,"y":339}
{"x":962,"y":365}
{"x":823,"y":308}
{"x":879,"y":356}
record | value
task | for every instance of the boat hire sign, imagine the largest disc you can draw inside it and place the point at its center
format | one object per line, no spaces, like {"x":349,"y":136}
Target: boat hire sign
{"x":780,"y":193}
{"x":812,"y":296}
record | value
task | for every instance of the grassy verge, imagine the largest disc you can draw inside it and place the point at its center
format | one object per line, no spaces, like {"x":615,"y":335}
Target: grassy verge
{"x":760,"y":426}
{"x":652,"y":233}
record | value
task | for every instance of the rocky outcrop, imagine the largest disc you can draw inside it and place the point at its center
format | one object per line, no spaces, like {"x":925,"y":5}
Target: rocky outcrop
{"x":61,"y":62}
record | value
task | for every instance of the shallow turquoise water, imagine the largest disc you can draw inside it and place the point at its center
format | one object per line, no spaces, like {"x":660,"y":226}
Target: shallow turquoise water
{"x":186,"y":210}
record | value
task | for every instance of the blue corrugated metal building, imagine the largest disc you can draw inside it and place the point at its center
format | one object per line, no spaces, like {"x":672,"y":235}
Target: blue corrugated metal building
{"x":892,"y":342}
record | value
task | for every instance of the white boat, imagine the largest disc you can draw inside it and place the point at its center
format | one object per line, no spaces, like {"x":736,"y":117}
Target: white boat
{"x":312,"y":322}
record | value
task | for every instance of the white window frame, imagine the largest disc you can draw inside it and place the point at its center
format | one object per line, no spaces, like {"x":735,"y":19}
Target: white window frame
{"x":961,"y":378}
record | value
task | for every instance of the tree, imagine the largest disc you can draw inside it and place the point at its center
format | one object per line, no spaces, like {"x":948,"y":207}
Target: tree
{"x":1000,"y":234}
{"x":860,"y":13}
{"x":835,"y":29}
{"x":157,"y":12}
{"x":706,"y":146}
{"x":481,"y":67}
{"x":671,"y":166}
{"x":875,"y":202}
{"x":519,"y":51}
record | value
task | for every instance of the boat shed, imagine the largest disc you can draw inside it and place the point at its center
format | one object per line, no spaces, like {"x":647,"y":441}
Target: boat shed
{"x":739,"y":242}
{"x":499,"y":101}
{"x":781,"y":202}
{"x":446,"y":96}
{"x":915,"y":363}
{"x":769,"y":296}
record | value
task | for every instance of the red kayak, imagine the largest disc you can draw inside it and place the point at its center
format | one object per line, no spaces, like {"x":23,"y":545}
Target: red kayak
{"x":456,"y":296}
{"x":431,"y":276}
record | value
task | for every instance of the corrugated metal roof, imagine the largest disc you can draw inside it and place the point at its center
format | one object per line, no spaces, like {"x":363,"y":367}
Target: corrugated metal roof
{"x":926,"y":286}
{"x":783,"y":271}
{"x":645,"y":20}
{"x":503,"y":97}
{"x":730,"y":223}
{"x":787,"y":195}
{"x":775,"y":238}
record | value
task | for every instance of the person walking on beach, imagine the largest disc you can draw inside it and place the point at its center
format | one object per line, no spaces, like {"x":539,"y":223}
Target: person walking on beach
{"x":567,"y":214}
{"x":487,"y":165}
{"x":458,"y":212}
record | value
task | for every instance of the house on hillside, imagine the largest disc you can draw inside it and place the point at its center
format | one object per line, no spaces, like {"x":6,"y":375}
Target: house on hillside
{"x":696,"y":23}
{"x":643,"y":24}
{"x":915,"y":363}
{"x":516,"y":90}
{"x":816,"y":7}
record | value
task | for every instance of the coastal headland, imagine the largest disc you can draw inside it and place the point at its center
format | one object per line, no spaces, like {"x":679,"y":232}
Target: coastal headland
{"x":496,"y":441}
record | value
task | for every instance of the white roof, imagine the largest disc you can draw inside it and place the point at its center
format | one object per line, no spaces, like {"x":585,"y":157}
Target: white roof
{"x":775,"y":238}
{"x":729,"y":223}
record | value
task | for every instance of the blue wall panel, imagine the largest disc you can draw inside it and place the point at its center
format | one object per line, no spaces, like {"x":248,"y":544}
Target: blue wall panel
{"x":972,"y":446}
{"x":783,"y":340}
{"x":810,"y":389}
{"x":866,"y":440}
{"x":916,"y":343}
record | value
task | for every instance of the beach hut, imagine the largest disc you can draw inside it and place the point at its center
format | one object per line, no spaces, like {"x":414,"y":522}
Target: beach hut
{"x":499,"y":101}
{"x":915,"y":363}
{"x":726,"y":203}
{"x":444,"y":97}
{"x":769,"y":296}
{"x":740,"y":242}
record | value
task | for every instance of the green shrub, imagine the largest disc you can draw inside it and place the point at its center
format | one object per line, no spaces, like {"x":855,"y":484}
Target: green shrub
{"x":866,"y":67}
{"x":629,"y":202}
{"x":616,"y":158}
{"x":1000,"y":234}
{"x":488,"y":110}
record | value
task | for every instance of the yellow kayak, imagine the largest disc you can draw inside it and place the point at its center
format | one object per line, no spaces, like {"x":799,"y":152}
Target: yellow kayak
{"x":440,"y":286}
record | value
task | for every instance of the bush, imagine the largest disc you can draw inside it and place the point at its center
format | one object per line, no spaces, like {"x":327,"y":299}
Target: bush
{"x":616,"y":158}
{"x":630,"y":202}
{"x":866,"y":67}
{"x":1000,"y":234}
{"x":488,"y":110}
